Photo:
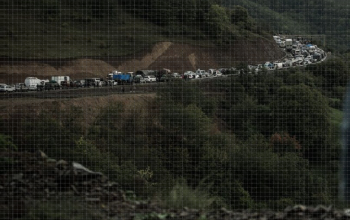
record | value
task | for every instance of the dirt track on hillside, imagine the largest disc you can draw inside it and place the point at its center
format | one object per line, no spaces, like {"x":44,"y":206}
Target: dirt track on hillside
{"x":174,"y":56}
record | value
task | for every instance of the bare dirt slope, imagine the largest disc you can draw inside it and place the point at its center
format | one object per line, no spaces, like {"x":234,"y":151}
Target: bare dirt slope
{"x":174,"y":56}
{"x":89,"y":105}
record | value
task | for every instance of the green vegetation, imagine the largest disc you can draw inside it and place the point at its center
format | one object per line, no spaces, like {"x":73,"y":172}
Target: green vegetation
{"x":321,"y":20}
{"x":251,"y":141}
{"x":277,"y":144}
{"x":66,"y":29}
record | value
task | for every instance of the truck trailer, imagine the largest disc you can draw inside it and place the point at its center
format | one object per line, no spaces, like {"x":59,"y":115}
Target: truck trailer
{"x":60,"y":79}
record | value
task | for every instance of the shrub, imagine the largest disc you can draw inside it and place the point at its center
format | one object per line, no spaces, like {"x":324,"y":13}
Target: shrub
{"x":283,"y":143}
{"x":303,"y":112}
{"x":181,"y":195}
{"x":6,"y":143}
{"x":182,"y":93}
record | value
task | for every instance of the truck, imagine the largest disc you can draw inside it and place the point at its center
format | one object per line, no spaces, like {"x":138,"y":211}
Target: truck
{"x":60,"y":79}
{"x":33,"y":82}
{"x":120,"y":78}
{"x":289,"y":44}
{"x":278,"y":65}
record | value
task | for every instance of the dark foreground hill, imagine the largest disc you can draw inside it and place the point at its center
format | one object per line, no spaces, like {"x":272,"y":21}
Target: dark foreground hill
{"x":39,"y":187}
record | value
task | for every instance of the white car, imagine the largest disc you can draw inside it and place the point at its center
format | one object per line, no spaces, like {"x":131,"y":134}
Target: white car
{"x":190,"y":75}
{"x":217,"y":73}
{"x":7,"y":88}
{"x":202,"y":73}
{"x":176,"y":75}
{"x":150,"y":79}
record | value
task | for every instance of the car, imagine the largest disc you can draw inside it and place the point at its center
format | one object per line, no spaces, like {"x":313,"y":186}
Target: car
{"x":77,"y":84}
{"x":218,"y":73}
{"x":176,"y":75}
{"x":202,"y":73}
{"x":166,"y":78}
{"x":66,"y":84}
{"x":21,"y":87}
{"x":7,"y":88}
{"x":112,"y":83}
{"x":139,"y":79}
{"x":189,"y":75}
{"x":49,"y":86}
{"x":150,"y":79}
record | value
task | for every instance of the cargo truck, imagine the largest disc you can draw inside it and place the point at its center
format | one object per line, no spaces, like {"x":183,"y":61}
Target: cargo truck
{"x":33,"y":82}
{"x":289,"y":44}
{"x":120,"y":78}
{"x":60,"y":79}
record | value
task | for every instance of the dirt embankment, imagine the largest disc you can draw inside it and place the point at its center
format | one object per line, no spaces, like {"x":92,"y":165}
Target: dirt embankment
{"x":90,"y":106}
{"x":174,"y":56}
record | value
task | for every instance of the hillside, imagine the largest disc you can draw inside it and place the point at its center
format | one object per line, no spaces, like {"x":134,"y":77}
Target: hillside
{"x":182,"y":149}
{"x":175,"y":56}
{"x":316,"y":19}
{"x":45,"y":38}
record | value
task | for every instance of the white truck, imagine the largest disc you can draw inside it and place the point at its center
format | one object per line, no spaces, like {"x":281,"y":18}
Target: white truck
{"x":289,"y":44}
{"x":278,"y":65}
{"x":60,"y":79}
{"x":33,"y":82}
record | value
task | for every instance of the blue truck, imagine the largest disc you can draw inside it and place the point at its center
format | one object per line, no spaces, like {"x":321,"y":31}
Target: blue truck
{"x":121,"y":78}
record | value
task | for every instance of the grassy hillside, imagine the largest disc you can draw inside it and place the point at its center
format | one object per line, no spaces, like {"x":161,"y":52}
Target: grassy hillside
{"x":65,"y":29}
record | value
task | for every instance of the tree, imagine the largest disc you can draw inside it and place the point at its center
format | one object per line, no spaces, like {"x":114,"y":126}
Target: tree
{"x":184,"y":94}
{"x":304,"y":113}
{"x":217,"y":20}
{"x":334,"y":73}
{"x":239,"y":14}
